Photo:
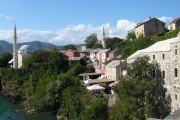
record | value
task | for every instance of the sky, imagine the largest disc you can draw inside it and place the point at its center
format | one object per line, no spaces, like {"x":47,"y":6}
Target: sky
{"x":62,"y":22}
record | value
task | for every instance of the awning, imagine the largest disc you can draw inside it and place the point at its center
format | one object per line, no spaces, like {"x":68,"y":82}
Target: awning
{"x":95,"y":87}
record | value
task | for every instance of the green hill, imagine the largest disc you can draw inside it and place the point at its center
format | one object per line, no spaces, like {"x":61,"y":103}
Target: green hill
{"x":36,"y":45}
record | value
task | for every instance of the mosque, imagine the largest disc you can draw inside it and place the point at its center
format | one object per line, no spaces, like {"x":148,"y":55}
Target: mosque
{"x":21,"y":54}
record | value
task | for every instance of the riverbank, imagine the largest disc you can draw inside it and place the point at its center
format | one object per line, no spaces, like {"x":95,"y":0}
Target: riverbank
{"x":6,"y":112}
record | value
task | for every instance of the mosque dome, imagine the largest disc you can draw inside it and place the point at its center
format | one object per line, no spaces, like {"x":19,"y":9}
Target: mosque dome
{"x":25,"y":48}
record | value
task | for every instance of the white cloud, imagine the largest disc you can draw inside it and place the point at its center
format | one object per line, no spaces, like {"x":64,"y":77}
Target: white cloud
{"x":9,"y":18}
{"x":74,"y":34}
{"x":166,"y":20}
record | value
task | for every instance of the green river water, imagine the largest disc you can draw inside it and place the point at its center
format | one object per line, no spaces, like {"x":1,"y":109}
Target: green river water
{"x":6,"y":114}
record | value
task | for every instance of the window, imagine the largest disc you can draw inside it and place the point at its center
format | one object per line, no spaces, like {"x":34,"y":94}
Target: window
{"x":154,"y":73}
{"x":153,"y":57}
{"x":163,"y":56}
{"x":175,"y":72}
{"x":175,"y":97}
{"x":175,"y":52}
{"x":163,"y":74}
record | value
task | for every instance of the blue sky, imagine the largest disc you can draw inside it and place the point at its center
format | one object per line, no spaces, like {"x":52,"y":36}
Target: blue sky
{"x":71,"y":21}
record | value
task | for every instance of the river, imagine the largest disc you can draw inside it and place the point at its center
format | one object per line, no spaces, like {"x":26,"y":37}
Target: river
{"x":6,"y":114}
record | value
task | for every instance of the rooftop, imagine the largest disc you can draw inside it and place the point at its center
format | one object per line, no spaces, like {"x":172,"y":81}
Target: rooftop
{"x":95,"y":50}
{"x":175,"y":20}
{"x":103,"y":50}
{"x":140,"y":23}
{"x":174,"y":116}
{"x":114,"y":50}
{"x":103,"y":80}
{"x":89,"y":74}
{"x":25,"y":48}
{"x":114,"y":63}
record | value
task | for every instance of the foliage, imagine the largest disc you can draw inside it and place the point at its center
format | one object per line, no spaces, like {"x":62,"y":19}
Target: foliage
{"x":70,"y":46}
{"x":114,"y":42}
{"x":91,"y":40}
{"x":131,"y":47}
{"x":139,"y":93}
{"x":52,"y":62}
{"x":97,"y":45}
{"x":4,"y":59}
{"x":131,"y":36}
{"x":141,"y":68}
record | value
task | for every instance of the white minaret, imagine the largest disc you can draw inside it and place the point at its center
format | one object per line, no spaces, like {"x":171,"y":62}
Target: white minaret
{"x":15,"y":57}
{"x":104,"y":39}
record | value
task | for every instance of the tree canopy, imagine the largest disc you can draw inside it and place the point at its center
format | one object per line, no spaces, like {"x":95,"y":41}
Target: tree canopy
{"x":4,"y":59}
{"x":91,"y":40}
{"x":70,"y":46}
{"x":138,"y":93}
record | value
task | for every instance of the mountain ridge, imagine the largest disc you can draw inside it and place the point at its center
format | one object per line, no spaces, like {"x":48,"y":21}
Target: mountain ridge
{"x":36,"y":45}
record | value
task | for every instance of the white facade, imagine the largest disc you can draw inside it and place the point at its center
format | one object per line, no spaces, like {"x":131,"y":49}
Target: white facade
{"x":167,"y":54}
{"x":172,"y":26}
{"x":23,"y":53}
{"x":103,"y":55}
{"x":93,"y":54}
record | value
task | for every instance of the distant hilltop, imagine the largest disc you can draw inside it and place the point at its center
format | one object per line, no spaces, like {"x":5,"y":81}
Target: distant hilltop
{"x":36,"y":45}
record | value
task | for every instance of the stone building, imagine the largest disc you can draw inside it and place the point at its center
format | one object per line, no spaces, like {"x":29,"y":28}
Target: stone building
{"x":149,"y":27}
{"x":167,"y":54}
{"x":114,"y":69}
{"x":174,"y":24}
{"x":114,"y":54}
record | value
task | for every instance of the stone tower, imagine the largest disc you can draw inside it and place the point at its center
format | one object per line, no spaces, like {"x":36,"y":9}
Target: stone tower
{"x":104,"y":40}
{"x":15,"y":57}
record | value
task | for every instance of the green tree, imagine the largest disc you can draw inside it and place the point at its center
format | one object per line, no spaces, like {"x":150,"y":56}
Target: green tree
{"x":70,"y":46}
{"x":4,"y":59}
{"x":97,"y":45}
{"x":139,"y":93}
{"x":131,"y":36}
{"x":113,"y":43}
{"x":91,"y":40}
{"x":30,"y":89}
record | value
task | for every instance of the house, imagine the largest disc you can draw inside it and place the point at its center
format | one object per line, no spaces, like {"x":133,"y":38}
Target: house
{"x":102,"y":56}
{"x":149,"y":27}
{"x":71,"y":53}
{"x":93,"y":54}
{"x":85,"y":53}
{"x":167,"y":55}
{"x":114,"y":69}
{"x":174,"y":24}
{"x":114,"y":54}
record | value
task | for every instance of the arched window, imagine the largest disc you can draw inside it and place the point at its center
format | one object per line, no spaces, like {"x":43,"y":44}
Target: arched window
{"x":175,"y":72}
{"x":175,"y":52}
{"x":163,"y":74}
{"x":153,"y":57}
{"x":175,"y":97}
{"x":163,"y":56}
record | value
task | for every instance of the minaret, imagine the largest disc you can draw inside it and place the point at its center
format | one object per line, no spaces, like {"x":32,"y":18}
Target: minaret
{"x":104,"y":39}
{"x":15,"y":58}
